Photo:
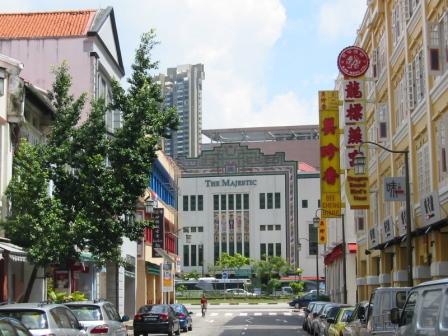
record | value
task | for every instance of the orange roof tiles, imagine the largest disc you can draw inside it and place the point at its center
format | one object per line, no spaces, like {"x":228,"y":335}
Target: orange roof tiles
{"x":45,"y":24}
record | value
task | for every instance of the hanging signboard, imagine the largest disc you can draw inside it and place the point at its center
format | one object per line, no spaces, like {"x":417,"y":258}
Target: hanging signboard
{"x":430,"y":208}
{"x":167,"y":277}
{"x":330,"y":183}
{"x":322,"y":234}
{"x":158,"y":232}
{"x":394,"y":189}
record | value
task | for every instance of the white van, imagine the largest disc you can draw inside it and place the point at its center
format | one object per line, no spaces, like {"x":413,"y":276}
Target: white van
{"x":425,"y":311}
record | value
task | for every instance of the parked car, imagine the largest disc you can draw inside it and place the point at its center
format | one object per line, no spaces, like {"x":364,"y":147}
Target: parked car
{"x":185,"y":320}
{"x":12,"y":327}
{"x":239,"y":292}
{"x":425,"y":311}
{"x":99,"y":317}
{"x":302,"y":301}
{"x":155,"y":319}
{"x":337,"y":324}
{"x":328,"y":314}
{"x":357,"y":323}
{"x":315,"y":324}
{"x":314,"y":313}
{"x":44,"y":319}
{"x":307,"y":310}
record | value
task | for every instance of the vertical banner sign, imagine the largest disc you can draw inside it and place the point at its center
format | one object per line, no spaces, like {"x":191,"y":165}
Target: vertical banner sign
{"x":322,"y":231}
{"x":353,"y":63}
{"x":167,"y":277}
{"x":158,"y":232}
{"x":330,"y":182}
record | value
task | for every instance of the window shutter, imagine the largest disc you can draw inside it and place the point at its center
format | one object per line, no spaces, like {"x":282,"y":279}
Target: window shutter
{"x":375,"y":63}
{"x":382,"y":122}
{"x":117,"y":119}
{"x":407,"y":9}
{"x":394,"y":25}
{"x":427,"y":176}
{"x":410,"y":86}
{"x":434,"y":49}
{"x":418,"y":87}
{"x":444,"y":44}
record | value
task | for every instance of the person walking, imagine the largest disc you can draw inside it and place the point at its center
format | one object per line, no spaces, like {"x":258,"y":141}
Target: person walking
{"x":203,"y":304}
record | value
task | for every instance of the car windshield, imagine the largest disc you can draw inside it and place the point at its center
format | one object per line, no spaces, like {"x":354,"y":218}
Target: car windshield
{"x":32,"y":319}
{"x":152,"y":309}
{"x":178,"y":308}
{"x":86,"y":312}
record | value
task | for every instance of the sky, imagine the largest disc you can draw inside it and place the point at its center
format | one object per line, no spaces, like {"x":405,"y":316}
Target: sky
{"x":264,"y":60}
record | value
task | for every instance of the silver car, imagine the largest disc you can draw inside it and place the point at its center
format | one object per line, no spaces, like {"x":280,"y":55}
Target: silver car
{"x":99,"y":317}
{"x":44,"y":319}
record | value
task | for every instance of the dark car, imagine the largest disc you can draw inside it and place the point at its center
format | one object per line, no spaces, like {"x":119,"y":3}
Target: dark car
{"x":185,"y":320}
{"x":156,"y":319}
{"x":312,"y":314}
{"x":302,"y":301}
{"x":12,"y":327}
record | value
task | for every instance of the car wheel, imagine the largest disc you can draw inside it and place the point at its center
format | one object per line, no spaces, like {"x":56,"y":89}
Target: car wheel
{"x":190,"y":327}
{"x":297,"y":306}
{"x":178,"y":330}
{"x":170,"y":332}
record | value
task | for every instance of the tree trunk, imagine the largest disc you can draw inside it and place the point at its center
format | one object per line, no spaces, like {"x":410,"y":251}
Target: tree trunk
{"x":29,"y":287}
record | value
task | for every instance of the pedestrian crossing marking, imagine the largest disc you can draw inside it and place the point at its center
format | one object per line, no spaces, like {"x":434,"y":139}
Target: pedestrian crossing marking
{"x":258,"y":314}
{"x":214,"y":314}
{"x":229,"y":314}
{"x":272,"y":314}
{"x":287,"y":314}
{"x":250,"y":314}
{"x":243,"y":314}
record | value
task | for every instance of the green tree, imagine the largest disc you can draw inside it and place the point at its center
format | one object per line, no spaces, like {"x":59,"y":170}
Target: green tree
{"x":273,"y":267}
{"x":274,"y":284}
{"x":191,"y":275}
{"x":235,"y":261}
{"x":97,"y":177}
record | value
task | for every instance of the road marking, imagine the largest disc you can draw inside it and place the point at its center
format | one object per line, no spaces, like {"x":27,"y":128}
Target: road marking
{"x":229,"y":314}
{"x":211,"y":321}
{"x":287,"y":314}
{"x":198,"y":314}
{"x":214,"y":314}
{"x":273,"y":314}
{"x":258,"y":314}
{"x":243,"y":314}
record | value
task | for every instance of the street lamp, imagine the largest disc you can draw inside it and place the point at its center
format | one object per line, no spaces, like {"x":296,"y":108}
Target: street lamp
{"x":360,"y":168}
{"x":149,"y":205}
{"x":316,"y":221}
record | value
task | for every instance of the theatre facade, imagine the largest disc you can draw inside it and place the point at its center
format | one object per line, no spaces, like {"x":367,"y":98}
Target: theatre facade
{"x":233,"y":199}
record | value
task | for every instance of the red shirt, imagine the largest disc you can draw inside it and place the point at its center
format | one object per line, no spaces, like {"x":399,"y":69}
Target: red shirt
{"x":203,"y":301}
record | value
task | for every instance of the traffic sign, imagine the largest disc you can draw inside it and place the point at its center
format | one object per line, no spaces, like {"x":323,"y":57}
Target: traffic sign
{"x":225,"y":275}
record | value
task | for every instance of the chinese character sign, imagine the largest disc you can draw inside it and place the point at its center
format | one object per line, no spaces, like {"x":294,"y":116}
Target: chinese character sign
{"x":322,"y":234}
{"x":329,"y":154}
{"x":158,"y":232}
{"x":394,"y":189}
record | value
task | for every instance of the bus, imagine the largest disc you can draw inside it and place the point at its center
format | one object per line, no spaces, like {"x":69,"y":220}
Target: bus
{"x":212,"y":284}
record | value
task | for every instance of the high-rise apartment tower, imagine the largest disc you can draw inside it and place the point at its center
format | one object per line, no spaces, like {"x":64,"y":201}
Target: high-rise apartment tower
{"x":182,"y":89}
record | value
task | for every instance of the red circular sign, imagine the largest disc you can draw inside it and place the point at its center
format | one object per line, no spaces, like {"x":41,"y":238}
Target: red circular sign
{"x":353,"y":61}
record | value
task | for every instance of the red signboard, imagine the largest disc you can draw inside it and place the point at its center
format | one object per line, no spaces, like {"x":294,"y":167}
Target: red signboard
{"x":353,"y":62}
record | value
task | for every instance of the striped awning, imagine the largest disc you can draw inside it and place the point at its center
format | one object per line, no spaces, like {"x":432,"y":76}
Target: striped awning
{"x":153,"y":269}
{"x":16,"y":253}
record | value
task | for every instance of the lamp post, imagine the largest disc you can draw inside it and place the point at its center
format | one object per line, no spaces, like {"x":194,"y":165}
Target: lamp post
{"x":316,"y":219}
{"x":359,"y":165}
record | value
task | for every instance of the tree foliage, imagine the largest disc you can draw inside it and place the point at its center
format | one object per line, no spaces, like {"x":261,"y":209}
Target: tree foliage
{"x":235,"y":261}
{"x":97,"y":176}
{"x":272,"y":268}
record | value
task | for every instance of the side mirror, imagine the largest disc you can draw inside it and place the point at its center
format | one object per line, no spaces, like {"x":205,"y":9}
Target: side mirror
{"x":361,"y":313}
{"x":124,"y":318}
{"x":81,"y":326}
{"x":314,"y":315}
{"x":395,"y":315}
{"x":190,"y":313}
{"x":330,"y":320}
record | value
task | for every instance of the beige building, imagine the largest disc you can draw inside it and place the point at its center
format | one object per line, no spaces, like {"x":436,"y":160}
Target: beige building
{"x":407,"y":42}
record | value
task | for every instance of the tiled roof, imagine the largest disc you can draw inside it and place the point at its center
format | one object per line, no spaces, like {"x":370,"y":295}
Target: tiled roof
{"x":45,"y":24}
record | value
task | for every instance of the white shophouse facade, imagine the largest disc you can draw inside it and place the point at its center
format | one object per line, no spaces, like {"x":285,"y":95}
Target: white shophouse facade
{"x":236,"y":200}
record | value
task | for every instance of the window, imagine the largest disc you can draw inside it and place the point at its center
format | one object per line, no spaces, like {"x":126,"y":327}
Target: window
{"x":201,"y":255}
{"x":193,"y":255}
{"x":231,"y":202}
{"x":397,"y":22}
{"x":278,"y":228}
{"x":193,"y":203}
{"x":410,"y":7}
{"x":223,"y":202}
{"x":262,"y":200}
{"x":442,"y":148}
{"x":416,"y":80}
{"x":312,"y":235}
{"x":262,"y":227}
{"x":304,"y":203}
{"x":262,"y":251}
{"x":112,"y":313}
{"x":238,"y":201}
{"x":270,"y":250}
{"x":359,"y":220}
{"x":246,"y":201}
{"x":186,"y":229}
{"x":200,"y":202}
{"x":401,"y":109}
{"x":278,"y":249}
{"x":186,"y":255}
{"x":270,"y":200}
{"x":185,"y":203}
{"x":270,"y":227}
{"x":193,"y":229}
{"x":408,"y":313}
{"x":382,"y":122}
{"x":277,"y":200}
{"x":215,"y":202}
{"x":200,"y":229}
{"x":429,"y":311}
{"x":318,"y":203}
{"x":423,"y":170}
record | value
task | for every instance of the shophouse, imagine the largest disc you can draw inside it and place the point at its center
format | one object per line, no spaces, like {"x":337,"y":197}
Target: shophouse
{"x":157,"y":252}
{"x":407,"y":110}
{"x":25,"y":112}
{"x":87,"y":40}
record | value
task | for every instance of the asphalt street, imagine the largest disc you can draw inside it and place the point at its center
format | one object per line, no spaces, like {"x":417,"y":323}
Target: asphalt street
{"x":247,"y":320}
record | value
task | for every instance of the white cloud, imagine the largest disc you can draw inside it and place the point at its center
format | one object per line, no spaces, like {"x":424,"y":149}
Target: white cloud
{"x":340,"y":18}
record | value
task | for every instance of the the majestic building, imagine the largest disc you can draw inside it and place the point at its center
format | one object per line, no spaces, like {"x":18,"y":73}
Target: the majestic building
{"x":235,"y":199}
{"x":182,"y":89}
{"x":407,"y":44}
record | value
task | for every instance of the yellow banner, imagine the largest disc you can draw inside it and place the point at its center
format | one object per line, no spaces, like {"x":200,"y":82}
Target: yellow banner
{"x":357,"y":190}
{"x":330,"y":182}
{"x":322,"y":234}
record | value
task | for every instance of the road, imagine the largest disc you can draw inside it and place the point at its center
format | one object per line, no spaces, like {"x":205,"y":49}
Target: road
{"x":247,"y":320}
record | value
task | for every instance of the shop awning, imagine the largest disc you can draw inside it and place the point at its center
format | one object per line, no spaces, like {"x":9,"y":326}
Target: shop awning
{"x":16,"y":253}
{"x":165,"y":254}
